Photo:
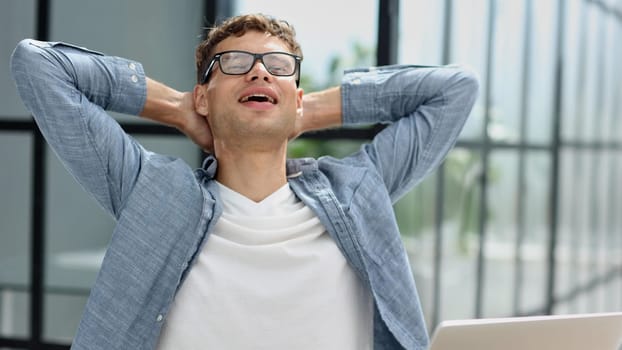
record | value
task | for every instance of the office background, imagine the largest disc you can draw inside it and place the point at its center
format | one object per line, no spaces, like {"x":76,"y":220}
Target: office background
{"x":521,"y":219}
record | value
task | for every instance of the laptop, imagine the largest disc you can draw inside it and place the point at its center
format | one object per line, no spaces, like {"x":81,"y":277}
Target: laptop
{"x":596,"y":331}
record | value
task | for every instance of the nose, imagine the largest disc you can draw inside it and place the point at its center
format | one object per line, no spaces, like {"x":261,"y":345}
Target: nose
{"x":259,"y":71}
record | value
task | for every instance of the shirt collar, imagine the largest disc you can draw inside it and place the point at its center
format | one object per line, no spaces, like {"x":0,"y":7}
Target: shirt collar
{"x":294,"y":167}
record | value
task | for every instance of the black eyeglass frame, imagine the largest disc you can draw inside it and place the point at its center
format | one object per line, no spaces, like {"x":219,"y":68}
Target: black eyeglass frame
{"x":256,"y":56}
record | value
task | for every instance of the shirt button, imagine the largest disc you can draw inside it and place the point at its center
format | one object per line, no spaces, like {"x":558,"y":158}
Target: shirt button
{"x":134,"y":78}
{"x":159,"y":318}
{"x":356,"y":81}
{"x":132,"y":66}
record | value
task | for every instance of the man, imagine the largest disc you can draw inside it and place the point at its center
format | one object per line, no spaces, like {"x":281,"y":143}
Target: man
{"x":252,"y":251}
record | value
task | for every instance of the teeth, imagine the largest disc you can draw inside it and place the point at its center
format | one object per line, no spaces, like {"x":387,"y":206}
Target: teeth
{"x":257,"y":96}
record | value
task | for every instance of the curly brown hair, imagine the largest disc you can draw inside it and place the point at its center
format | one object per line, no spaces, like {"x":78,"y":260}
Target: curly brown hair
{"x":238,"y":26}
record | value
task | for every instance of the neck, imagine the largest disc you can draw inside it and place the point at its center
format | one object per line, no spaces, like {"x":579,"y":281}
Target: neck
{"x":255,"y":174}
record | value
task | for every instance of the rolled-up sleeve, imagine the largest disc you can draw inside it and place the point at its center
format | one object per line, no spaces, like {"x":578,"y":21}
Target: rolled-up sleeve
{"x":68,"y":90}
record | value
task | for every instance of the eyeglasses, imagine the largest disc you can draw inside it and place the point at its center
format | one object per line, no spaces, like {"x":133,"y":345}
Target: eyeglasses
{"x":235,"y":62}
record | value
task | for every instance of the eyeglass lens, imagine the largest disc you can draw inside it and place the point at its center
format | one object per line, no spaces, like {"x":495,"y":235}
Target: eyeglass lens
{"x":237,"y":62}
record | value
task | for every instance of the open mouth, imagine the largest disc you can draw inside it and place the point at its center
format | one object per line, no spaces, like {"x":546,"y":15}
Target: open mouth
{"x":258,"y":98}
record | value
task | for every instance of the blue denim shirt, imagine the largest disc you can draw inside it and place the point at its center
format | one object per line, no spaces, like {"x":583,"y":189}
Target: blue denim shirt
{"x":165,"y":210}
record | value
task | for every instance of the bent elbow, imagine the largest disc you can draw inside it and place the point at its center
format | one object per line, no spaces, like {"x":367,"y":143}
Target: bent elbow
{"x":24,"y":56}
{"x":31,"y":62}
{"x":468,"y":81}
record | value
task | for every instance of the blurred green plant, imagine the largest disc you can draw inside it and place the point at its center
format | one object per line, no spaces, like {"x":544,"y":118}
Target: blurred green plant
{"x":463,"y":171}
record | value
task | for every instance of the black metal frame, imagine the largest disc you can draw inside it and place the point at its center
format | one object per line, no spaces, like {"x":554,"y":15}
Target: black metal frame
{"x":388,"y":25}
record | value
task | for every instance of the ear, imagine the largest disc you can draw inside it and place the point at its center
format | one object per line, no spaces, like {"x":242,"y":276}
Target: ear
{"x":299,"y":109}
{"x":200,"y":99}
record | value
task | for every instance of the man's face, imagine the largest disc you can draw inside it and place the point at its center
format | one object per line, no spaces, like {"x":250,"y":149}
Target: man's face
{"x":256,"y":108}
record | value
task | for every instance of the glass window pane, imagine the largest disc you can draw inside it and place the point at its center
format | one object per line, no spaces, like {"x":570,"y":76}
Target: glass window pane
{"x":570,"y":200}
{"x":18,"y":22}
{"x":600,"y":188}
{"x":611,"y":81}
{"x":591,"y":80}
{"x":614,"y":238}
{"x":63,"y":309}
{"x":500,"y":242}
{"x":572,"y":70}
{"x":616,"y":76}
{"x":586,"y":235}
{"x":582,"y":194}
{"x":590,"y":247}
{"x":540,"y":92}
{"x":617,"y":244}
{"x":161,"y":34}
{"x":461,"y":210}
{"x":421,"y":32}
{"x":15,"y":232}
{"x":326,"y":50}
{"x":534,"y":250}
{"x":468,"y":46}
{"x":416,"y":213}
{"x":507,"y":72}
{"x":516,"y":267}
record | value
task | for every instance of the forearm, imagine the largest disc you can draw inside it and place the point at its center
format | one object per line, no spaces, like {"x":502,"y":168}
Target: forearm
{"x":168,"y":106}
{"x":164,"y":104}
{"x":322,"y":110}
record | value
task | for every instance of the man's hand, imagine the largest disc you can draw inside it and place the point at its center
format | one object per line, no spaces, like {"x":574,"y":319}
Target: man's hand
{"x":194,"y":125}
{"x":173,"y":108}
{"x":321,"y":110}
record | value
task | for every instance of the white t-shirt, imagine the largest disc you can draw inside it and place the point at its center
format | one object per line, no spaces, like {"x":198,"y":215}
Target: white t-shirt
{"x":269,"y":277}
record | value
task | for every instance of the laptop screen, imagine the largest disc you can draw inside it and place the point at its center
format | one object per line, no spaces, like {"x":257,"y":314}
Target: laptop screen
{"x":598,"y":331}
